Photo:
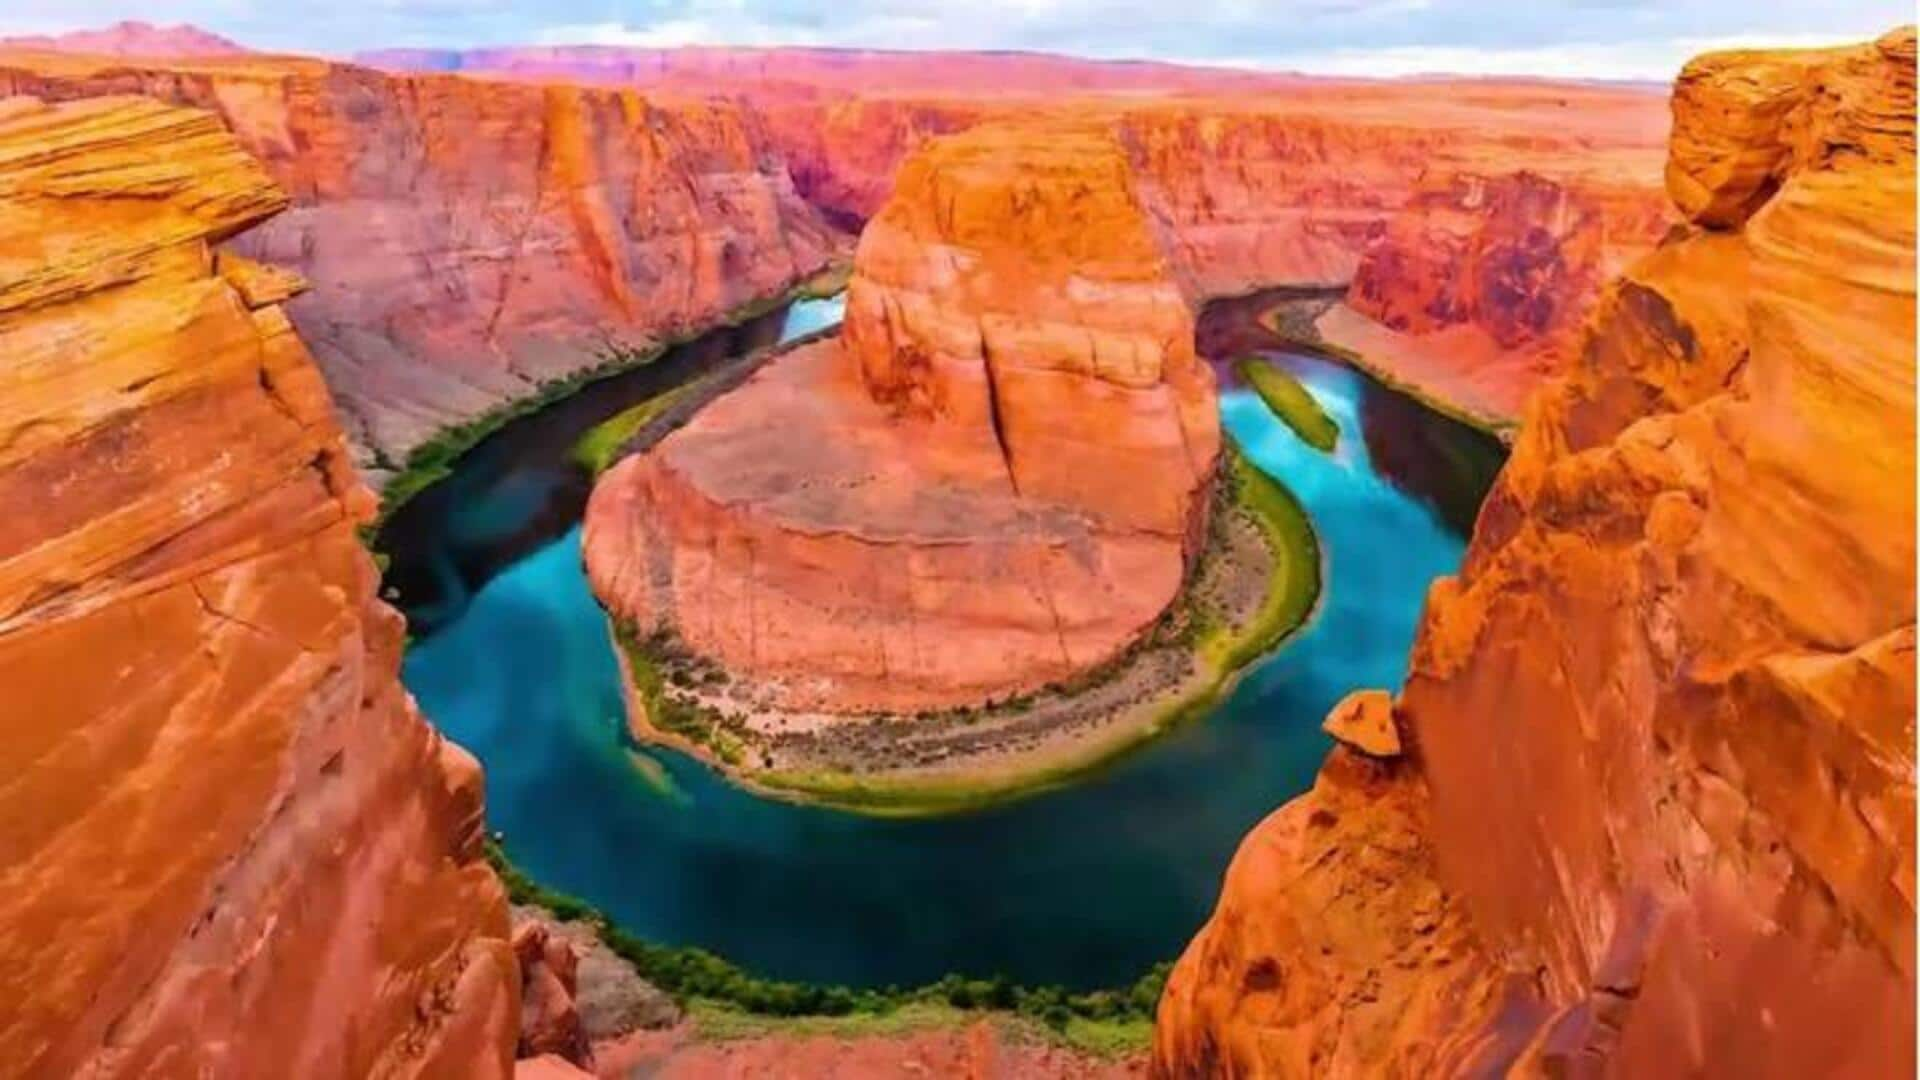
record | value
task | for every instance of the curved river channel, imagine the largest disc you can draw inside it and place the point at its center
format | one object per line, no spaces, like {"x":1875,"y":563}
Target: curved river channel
{"x":1086,"y":887}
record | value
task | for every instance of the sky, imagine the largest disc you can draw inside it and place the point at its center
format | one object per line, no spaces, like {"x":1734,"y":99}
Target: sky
{"x":1635,"y":39}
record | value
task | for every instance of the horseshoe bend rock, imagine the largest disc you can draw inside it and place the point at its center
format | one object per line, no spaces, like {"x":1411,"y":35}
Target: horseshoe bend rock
{"x":993,"y":479}
{"x":231,"y":846}
{"x":1656,"y":816}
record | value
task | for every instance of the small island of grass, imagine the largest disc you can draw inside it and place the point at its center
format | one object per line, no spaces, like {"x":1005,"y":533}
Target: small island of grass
{"x":599,"y":448}
{"x":1291,"y":402}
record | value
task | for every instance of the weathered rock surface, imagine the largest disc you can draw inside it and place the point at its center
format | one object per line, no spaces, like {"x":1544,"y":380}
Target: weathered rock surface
{"x":1490,"y":277}
{"x":1530,"y":196}
{"x":549,"y":979}
{"x":1364,"y":721}
{"x":469,"y":240}
{"x":1260,"y":180}
{"x":231,"y":846}
{"x":1661,"y":761}
{"x":992,"y":481}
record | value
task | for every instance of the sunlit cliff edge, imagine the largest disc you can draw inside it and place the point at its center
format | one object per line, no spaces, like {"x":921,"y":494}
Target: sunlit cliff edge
{"x":1655,"y":810}
{"x":232,"y":847}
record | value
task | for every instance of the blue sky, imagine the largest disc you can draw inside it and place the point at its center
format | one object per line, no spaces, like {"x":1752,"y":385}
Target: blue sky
{"x":1597,"y":38}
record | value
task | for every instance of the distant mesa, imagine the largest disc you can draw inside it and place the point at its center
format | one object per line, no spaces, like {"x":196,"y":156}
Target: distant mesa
{"x":133,"y":38}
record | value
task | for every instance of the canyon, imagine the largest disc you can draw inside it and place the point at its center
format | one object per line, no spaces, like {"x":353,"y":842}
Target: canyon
{"x":1261,"y":180}
{"x":1654,"y":806}
{"x":1644,"y":802}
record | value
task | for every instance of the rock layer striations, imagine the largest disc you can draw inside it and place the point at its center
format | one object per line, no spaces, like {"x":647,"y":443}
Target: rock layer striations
{"x":231,"y":846}
{"x":993,"y":480}
{"x":466,"y":240}
{"x":1656,"y":811}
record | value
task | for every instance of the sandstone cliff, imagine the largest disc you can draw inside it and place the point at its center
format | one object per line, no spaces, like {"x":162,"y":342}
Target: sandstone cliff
{"x":1477,"y":286}
{"x":992,"y":481}
{"x":466,"y":240}
{"x":1656,"y":810}
{"x":228,"y":844}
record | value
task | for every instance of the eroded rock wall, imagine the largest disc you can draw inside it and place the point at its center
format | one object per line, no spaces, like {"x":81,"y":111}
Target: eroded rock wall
{"x":993,"y":480}
{"x":1013,"y":289}
{"x":468,"y":240}
{"x":229,"y":846}
{"x":1660,"y":727}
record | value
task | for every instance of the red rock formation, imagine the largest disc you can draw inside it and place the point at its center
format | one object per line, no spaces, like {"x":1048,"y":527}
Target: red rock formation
{"x":1657,"y":811}
{"x":1483,"y":283}
{"x":231,"y":846}
{"x":549,"y":979}
{"x":469,"y":240}
{"x":1260,"y":180}
{"x":991,"y":483}
{"x":132,"y":38}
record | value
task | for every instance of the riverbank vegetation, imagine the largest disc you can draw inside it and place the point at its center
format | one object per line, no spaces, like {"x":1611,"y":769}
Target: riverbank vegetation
{"x":432,"y":460}
{"x":729,"y":1001}
{"x":600,"y":446}
{"x":1291,"y":402}
{"x":1257,"y":581}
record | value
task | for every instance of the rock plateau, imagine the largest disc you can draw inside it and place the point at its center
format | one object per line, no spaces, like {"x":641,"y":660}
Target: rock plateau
{"x":1655,"y":811}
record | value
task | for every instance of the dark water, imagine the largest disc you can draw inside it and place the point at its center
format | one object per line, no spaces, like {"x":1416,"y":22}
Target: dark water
{"x":1086,"y":887}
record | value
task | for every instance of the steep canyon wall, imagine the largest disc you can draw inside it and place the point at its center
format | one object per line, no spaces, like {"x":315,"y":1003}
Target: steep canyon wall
{"x":1538,"y":191}
{"x":229,"y":846}
{"x":1655,"y":815}
{"x":468,"y":240}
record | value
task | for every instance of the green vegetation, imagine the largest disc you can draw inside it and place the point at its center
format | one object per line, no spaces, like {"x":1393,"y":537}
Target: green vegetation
{"x":1294,"y":585}
{"x":600,"y":446}
{"x":1291,"y":402}
{"x":433,"y":460}
{"x":647,"y":662}
{"x":730,"y":1002}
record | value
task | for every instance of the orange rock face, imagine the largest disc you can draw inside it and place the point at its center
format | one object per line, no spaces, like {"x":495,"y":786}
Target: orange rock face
{"x":993,"y":480}
{"x":1527,"y":195}
{"x":231,"y":847}
{"x":468,"y":240}
{"x":1014,"y":290}
{"x":1500,"y":269}
{"x":1663,"y":719}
